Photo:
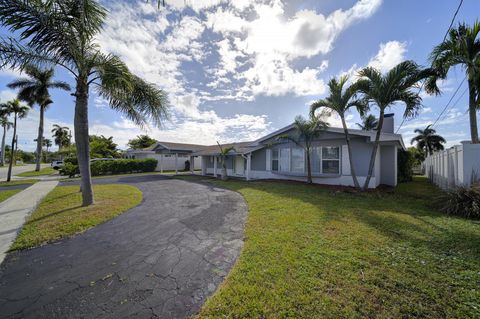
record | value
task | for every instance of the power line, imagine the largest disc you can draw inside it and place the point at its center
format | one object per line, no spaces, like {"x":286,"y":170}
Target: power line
{"x":444,"y":37}
{"x":449,"y":101}
{"x":454,"y":104}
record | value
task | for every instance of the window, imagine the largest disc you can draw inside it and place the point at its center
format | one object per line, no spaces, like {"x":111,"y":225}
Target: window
{"x":285,"y":160}
{"x":330,"y":160}
{"x":298,"y":160}
{"x":274,"y":159}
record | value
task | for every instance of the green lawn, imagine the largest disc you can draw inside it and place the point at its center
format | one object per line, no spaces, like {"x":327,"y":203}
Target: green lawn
{"x":60,"y":214}
{"x":8,"y":193}
{"x":19,"y":182}
{"x":313,"y":252}
{"x":41,"y":172}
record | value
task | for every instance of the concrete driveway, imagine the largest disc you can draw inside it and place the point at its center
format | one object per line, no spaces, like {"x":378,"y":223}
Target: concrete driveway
{"x":161,"y":259}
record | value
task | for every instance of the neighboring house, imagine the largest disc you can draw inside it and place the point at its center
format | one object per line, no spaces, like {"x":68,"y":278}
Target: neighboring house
{"x":170,"y":156}
{"x":267,"y":158}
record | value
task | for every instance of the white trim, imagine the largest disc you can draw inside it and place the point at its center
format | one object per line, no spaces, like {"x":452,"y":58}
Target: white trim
{"x":268,"y":156}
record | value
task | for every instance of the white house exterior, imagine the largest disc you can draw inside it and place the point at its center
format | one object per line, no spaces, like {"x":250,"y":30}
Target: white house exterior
{"x":170,"y":156}
{"x":267,"y":158}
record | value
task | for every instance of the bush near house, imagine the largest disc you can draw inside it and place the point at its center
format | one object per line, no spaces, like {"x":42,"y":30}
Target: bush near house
{"x":405,"y":163}
{"x":120,"y":166}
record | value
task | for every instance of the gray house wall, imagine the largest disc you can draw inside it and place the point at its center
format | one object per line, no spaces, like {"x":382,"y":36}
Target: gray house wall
{"x":229,"y":162}
{"x":259,"y":160}
{"x":387,"y":165}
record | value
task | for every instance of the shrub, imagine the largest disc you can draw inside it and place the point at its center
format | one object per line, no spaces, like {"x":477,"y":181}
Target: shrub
{"x":405,"y":163}
{"x":120,"y":166}
{"x":69,"y":169}
{"x":462,"y":201}
{"x":71,"y":160}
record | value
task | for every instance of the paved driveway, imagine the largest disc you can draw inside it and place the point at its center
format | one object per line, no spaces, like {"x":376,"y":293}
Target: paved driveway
{"x":161,"y":259}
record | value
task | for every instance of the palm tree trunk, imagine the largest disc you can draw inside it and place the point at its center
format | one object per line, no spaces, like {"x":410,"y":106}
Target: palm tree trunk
{"x":224,"y":170}
{"x":472,"y":111}
{"x":375,"y":148}
{"x":12,"y":151}
{"x":309,"y":167}
{"x":81,"y":139}
{"x":350,"y":155}
{"x":39,"y":139}
{"x":2,"y":159}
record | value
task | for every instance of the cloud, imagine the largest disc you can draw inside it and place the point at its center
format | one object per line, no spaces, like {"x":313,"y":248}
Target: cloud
{"x":7,"y":95}
{"x":390,"y":54}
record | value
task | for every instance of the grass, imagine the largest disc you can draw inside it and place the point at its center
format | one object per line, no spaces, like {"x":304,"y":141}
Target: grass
{"x":314,"y":252}
{"x":4,"y":195}
{"x":19,"y":182}
{"x":60,"y":214}
{"x":41,"y":172}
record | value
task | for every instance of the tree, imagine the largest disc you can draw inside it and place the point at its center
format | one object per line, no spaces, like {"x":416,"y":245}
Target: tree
{"x":35,"y":90}
{"x":427,"y":141}
{"x":400,"y":84}
{"x":19,"y":111}
{"x":369,"y":123}
{"x":62,"y":33}
{"x":61,"y":136}
{"x":461,"y":47}
{"x":306,"y":131}
{"x":340,"y":101}
{"x":224,"y":151}
{"x":6,"y":125}
{"x":103,"y":147}
{"x":141,"y":141}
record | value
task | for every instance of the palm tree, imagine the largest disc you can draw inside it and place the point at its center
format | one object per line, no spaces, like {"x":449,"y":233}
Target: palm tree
{"x":19,"y":111}
{"x":61,"y":136}
{"x":461,"y":47}
{"x":369,"y":123}
{"x":35,"y":89}
{"x":383,"y":90}
{"x":62,"y":33}
{"x":6,"y":125}
{"x":427,"y":141}
{"x":306,"y":131}
{"x":340,"y":101}
{"x":224,"y":151}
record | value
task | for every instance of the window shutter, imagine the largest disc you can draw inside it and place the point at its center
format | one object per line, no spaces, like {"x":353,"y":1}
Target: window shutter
{"x":345,"y":161}
{"x":268,"y":164}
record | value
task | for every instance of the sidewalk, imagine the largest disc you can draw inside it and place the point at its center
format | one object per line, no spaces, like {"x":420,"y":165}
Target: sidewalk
{"x":16,"y":209}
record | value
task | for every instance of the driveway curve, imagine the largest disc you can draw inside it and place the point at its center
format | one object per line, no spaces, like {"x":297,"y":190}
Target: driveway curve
{"x":161,"y":259}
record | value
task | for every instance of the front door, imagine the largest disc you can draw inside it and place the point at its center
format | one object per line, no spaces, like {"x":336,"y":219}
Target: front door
{"x":239,"y":165}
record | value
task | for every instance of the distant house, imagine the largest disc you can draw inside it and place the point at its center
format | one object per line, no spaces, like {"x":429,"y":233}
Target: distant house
{"x":170,"y":156}
{"x":267,"y":158}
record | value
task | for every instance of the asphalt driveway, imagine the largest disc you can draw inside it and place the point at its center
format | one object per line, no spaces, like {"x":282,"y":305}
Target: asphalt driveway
{"x":161,"y":259}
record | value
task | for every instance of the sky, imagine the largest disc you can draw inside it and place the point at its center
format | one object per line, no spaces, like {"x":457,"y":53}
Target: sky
{"x":237,"y":70}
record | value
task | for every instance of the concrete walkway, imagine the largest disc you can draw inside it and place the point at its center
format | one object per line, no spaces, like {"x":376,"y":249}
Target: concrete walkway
{"x":16,"y":209}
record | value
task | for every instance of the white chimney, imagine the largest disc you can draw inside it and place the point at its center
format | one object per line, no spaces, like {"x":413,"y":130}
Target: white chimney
{"x":388,"y":126}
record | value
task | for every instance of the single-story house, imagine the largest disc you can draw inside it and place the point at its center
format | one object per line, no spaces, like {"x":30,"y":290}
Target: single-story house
{"x":271,"y":158}
{"x":170,"y":156}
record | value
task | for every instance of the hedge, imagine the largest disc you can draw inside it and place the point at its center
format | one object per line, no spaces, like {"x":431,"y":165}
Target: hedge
{"x":119,"y":166}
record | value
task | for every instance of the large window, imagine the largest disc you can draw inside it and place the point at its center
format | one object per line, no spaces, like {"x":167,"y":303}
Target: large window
{"x":298,"y":160}
{"x":330,"y":160}
{"x":275,"y":159}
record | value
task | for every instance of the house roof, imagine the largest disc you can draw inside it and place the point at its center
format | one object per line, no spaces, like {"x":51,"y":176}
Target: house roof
{"x":239,"y":148}
{"x":177,"y":146}
{"x":384,"y":137}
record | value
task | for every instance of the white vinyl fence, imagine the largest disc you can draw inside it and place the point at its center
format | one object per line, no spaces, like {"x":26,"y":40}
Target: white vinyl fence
{"x":456,"y":166}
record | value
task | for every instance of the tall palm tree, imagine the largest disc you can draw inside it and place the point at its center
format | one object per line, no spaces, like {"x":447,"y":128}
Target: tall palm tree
{"x":224,"y":151}
{"x":62,"y":33}
{"x":61,"y":136}
{"x":461,"y":47}
{"x":400,"y":84}
{"x":428,"y":141}
{"x":306,"y":131}
{"x":18,"y":111}
{"x":35,"y":90}
{"x":340,"y":101}
{"x":369,"y":123}
{"x":6,"y":125}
